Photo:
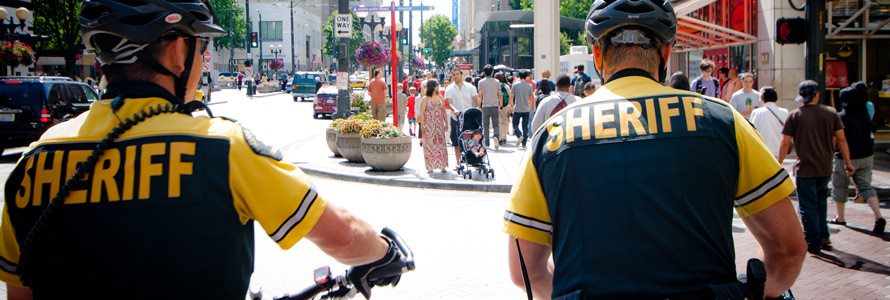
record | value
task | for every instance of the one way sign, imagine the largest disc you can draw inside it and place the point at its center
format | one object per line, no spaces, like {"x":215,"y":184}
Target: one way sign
{"x":343,"y":26}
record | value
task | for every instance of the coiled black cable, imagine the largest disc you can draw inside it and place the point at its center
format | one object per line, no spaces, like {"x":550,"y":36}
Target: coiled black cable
{"x":34,"y":237}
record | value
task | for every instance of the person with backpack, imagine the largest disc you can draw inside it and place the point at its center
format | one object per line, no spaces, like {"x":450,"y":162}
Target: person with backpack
{"x":580,"y":80}
{"x":706,"y":84}
{"x":554,"y":103}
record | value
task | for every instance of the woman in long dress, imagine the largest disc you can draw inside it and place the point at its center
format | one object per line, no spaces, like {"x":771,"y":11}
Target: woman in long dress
{"x":431,"y":114}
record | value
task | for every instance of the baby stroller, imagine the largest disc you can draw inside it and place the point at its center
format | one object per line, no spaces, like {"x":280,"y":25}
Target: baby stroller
{"x":471,"y":122}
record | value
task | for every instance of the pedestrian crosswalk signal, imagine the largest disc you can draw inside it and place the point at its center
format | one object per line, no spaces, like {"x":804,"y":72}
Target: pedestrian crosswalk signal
{"x":791,"y":31}
{"x":254,"y":40}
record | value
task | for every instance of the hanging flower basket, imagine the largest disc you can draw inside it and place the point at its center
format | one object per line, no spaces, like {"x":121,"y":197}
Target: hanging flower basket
{"x":371,"y":54}
{"x":418,"y":62}
{"x":14,"y":54}
{"x":276,"y":64}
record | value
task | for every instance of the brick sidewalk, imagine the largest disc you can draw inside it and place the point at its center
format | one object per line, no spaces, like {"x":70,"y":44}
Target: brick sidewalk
{"x":857,"y":268}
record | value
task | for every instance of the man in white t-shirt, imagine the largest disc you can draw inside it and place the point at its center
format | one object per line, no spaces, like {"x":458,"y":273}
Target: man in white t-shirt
{"x":769,"y":119}
{"x":460,"y":97}
{"x":746,"y":99}
{"x":553,"y":104}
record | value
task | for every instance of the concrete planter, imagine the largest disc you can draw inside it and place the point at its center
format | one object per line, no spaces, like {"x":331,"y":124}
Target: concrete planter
{"x":331,"y":139}
{"x":350,"y":146}
{"x":389,"y":154}
{"x":268,"y":89}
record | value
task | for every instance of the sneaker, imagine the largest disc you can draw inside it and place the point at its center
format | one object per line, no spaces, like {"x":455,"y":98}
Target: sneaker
{"x":497,"y":144}
{"x":879,"y":226}
{"x":826,"y":245}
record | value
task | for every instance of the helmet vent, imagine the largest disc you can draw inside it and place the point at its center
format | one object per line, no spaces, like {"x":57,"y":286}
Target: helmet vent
{"x":94,"y":12}
{"x":139,"y":20}
{"x":634,"y":7}
{"x":132,"y":2}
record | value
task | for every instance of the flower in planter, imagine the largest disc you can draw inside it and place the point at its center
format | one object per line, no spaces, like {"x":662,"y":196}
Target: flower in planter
{"x":351,"y":126}
{"x":337,"y":123}
{"x":371,"y":129}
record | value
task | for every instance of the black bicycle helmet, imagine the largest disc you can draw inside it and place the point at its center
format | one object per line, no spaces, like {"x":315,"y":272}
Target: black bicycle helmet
{"x":655,"y":16}
{"x":137,"y":23}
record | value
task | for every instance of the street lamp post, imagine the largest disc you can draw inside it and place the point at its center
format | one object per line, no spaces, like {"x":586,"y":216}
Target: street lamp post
{"x":260,"y":39}
{"x":275,"y":51}
{"x":371,"y":21}
{"x":293,"y":67}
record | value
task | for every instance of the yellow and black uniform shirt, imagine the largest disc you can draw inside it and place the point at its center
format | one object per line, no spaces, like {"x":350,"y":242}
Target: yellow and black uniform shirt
{"x":633,"y":188}
{"x":167,"y":212}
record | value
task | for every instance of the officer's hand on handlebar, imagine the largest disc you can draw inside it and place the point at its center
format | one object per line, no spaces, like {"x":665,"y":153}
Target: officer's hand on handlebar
{"x":385,"y":271}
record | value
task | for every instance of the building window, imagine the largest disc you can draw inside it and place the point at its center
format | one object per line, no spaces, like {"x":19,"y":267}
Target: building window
{"x":271,"y":31}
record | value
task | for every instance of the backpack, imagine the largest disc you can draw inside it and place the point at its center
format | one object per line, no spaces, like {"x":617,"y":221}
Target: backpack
{"x":579,"y":85}
{"x":698,"y":88}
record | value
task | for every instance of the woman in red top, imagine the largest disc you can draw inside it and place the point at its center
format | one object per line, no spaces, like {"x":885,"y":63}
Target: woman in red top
{"x":412,"y":119}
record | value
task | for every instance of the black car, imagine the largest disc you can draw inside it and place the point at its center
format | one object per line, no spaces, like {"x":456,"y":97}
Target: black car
{"x":29,"y":105}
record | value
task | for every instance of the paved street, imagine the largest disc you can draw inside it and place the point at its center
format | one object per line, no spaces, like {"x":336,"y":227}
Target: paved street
{"x":457,"y":236}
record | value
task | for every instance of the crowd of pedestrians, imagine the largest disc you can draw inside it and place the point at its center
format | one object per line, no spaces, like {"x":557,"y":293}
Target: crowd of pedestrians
{"x":830,"y":147}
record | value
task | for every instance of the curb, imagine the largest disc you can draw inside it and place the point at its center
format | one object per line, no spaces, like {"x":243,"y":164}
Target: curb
{"x":477,"y":187}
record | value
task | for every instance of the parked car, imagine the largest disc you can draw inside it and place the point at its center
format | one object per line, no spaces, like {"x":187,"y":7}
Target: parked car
{"x":325,"y":102}
{"x":356,"y":82}
{"x":227,"y":79}
{"x":30,"y":104}
{"x":306,"y":84}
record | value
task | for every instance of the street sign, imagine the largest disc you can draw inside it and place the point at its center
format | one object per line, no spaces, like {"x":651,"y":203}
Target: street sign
{"x":343,"y":26}
{"x":207,"y":60}
{"x":342,"y":81}
{"x":388,"y":8}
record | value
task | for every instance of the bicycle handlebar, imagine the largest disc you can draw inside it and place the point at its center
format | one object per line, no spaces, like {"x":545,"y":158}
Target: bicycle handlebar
{"x":341,"y":287}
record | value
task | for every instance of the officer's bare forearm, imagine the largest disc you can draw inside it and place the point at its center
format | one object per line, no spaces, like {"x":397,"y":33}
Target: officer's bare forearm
{"x":347,"y":238}
{"x":779,"y":234}
{"x":536,"y":259}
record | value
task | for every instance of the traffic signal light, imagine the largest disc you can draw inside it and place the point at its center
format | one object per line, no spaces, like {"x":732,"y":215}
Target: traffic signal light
{"x":791,"y":31}
{"x":404,"y":35}
{"x":254,"y":40}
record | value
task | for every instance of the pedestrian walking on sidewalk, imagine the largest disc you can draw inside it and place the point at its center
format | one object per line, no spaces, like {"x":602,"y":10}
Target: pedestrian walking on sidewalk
{"x":522,"y":102}
{"x":504,"y":112}
{"x":679,"y":81}
{"x":431,"y":114}
{"x":401,"y":105}
{"x":410,"y":102}
{"x":859,"y":132}
{"x":377,"y":91}
{"x":555,"y":103}
{"x":733,"y":84}
{"x":747,"y":99}
{"x":812,"y":129}
{"x":705,"y":84}
{"x":631,"y":208}
{"x":769,"y":120}
{"x":490,"y":101}
{"x":460,"y":96}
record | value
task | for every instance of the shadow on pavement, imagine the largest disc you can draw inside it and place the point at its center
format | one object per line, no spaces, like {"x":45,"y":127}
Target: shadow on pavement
{"x":867,"y":231}
{"x":852,"y":262}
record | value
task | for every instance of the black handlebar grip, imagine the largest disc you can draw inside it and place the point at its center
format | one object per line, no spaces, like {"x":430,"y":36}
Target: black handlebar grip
{"x":403,"y":247}
{"x":756,"y":278}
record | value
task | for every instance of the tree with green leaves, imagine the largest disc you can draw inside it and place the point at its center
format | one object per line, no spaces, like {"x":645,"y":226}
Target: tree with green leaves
{"x":60,"y":20}
{"x":438,"y":34}
{"x":331,"y":42}
{"x":230,"y":16}
{"x":567,"y":8}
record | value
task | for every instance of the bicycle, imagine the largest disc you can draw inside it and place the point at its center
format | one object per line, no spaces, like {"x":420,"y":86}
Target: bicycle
{"x":341,"y":287}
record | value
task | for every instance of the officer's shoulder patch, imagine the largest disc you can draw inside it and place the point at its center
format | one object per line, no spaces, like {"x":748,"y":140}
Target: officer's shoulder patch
{"x":259,"y":147}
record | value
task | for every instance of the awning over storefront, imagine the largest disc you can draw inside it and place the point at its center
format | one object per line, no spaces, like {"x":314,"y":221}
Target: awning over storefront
{"x":704,"y":25}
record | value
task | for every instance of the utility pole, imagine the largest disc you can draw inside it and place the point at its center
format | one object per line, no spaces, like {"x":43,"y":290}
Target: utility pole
{"x":249,"y":28}
{"x":411,"y":37}
{"x":232,"y":63}
{"x":343,"y":101}
{"x":260,"y":41}
{"x":293,"y":56}
{"x":421,"y":22}
{"x":815,"y":9}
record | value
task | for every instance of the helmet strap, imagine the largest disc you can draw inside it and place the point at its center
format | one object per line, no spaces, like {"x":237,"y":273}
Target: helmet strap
{"x":180,"y":82}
